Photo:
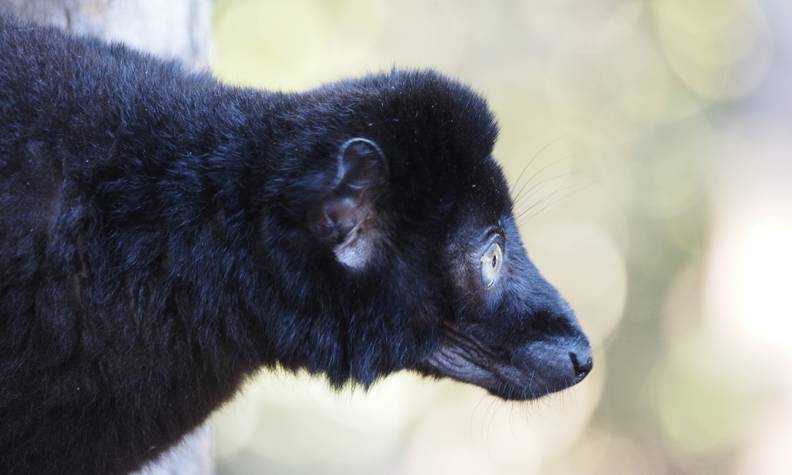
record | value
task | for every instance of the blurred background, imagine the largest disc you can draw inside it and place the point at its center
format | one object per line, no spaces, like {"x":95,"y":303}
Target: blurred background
{"x":654,"y":142}
{"x":651,"y":144}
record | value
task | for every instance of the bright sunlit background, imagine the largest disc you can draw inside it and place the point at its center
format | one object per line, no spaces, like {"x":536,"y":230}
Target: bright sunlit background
{"x":654,"y":139}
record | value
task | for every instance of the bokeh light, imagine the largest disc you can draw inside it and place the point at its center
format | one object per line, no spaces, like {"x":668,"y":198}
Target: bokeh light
{"x":652,"y":141}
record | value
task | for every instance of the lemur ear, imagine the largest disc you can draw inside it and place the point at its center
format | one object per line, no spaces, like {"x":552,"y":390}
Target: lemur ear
{"x":361,"y":173}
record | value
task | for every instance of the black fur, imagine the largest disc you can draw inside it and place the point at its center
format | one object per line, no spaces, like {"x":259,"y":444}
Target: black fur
{"x":163,"y":236}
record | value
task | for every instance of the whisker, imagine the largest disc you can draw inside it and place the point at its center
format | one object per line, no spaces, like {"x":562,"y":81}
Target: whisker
{"x":473,"y":413}
{"x":542,"y":200}
{"x":540,"y":184}
{"x":519,"y":177}
{"x":568,"y":193}
{"x":536,"y":174}
{"x":536,"y":155}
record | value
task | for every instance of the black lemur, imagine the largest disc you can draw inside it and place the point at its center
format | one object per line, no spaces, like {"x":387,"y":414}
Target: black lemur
{"x":164,"y":236}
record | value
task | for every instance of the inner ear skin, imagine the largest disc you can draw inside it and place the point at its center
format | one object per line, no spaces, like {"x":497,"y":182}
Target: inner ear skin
{"x":337,"y":218}
{"x":346,"y":218}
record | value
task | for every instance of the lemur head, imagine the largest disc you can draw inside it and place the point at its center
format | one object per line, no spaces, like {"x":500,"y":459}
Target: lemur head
{"x":409,"y":220}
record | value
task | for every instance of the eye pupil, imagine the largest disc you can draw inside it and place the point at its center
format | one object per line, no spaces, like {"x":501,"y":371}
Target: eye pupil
{"x":494,"y":261}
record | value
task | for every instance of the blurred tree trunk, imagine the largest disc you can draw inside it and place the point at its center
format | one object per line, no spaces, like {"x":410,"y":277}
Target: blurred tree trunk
{"x":177,"y":29}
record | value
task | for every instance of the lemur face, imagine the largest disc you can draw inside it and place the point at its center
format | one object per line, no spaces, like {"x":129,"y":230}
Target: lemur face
{"x":504,"y":328}
{"x":403,"y":194}
{"x":511,"y":332}
{"x":497,"y":322}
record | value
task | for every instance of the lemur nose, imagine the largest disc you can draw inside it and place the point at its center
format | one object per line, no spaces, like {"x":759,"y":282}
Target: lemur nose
{"x":581,"y":362}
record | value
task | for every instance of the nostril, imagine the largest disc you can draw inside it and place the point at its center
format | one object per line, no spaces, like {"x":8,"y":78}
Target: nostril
{"x":581,"y":365}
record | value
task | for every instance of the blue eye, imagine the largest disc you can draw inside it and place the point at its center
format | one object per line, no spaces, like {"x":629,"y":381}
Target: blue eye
{"x":491,"y":263}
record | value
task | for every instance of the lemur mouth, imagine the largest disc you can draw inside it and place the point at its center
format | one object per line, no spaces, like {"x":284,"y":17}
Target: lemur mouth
{"x":501,"y":380}
{"x":465,"y":359}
